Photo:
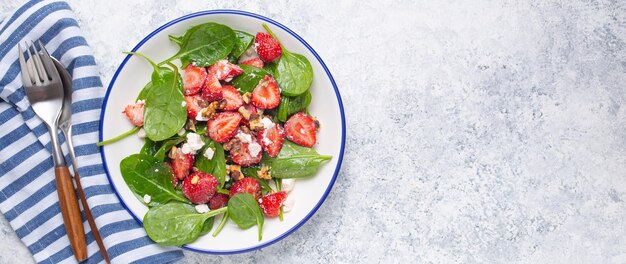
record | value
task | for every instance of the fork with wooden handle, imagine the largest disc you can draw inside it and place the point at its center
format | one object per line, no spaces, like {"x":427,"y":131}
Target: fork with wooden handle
{"x":44,"y":91}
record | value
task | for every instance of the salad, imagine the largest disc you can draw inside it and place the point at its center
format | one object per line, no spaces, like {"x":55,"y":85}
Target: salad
{"x":228,"y":136}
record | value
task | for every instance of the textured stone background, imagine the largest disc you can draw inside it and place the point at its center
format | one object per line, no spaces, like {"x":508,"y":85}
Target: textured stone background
{"x":478,"y":131}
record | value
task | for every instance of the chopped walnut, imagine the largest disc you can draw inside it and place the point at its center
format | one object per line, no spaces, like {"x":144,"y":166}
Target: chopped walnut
{"x":255,"y":123}
{"x":264,"y":173}
{"x":221,"y":104}
{"x":209,"y":111}
{"x":317,"y":124}
{"x":244,"y":112}
{"x":173,"y":152}
{"x":233,"y":145}
{"x":191,"y":125}
{"x":235,"y":172}
{"x":245,"y":129}
{"x":247,"y":97}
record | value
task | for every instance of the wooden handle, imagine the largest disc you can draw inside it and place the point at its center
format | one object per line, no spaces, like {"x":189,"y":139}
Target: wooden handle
{"x":92,"y":222}
{"x":71,"y":212}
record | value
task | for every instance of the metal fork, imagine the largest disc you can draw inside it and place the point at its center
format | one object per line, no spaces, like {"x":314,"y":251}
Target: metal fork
{"x":44,"y":91}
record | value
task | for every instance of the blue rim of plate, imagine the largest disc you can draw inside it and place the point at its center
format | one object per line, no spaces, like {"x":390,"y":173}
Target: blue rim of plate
{"x":319,"y":59}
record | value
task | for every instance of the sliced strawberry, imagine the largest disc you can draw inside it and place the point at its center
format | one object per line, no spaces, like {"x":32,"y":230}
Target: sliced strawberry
{"x":256,"y":62}
{"x":267,"y":47}
{"x":212,"y":90}
{"x":195,"y":103}
{"x":246,"y":185}
{"x":134,"y":112}
{"x":194,"y":78}
{"x":271,"y":203}
{"x":199,"y":187}
{"x":300,"y":128}
{"x":266,"y":94}
{"x":246,"y":154}
{"x":218,"y":201}
{"x":223,"y":126}
{"x":181,"y":163}
{"x":233,"y":98}
{"x":224,"y":70}
{"x":272,"y":139}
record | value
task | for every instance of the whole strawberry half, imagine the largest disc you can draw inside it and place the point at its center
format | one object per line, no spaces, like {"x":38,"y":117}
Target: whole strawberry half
{"x":246,"y":185}
{"x":224,"y":70}
{"x":134,"y":113}
{"x":272,"y":139}
{"x":181,"y":163}
{"x":212,"y":89}
{"x":267,"y":47}
{"x":218,"y":201}
{"x":233,"y":98}
{"x":271,"y":203}
{"x":256,"y":62}
{"x":194,"y":78}
{"x":223,"y":126}
{"x":266,"y":94}
{"x":195,"y":103}
{"x":199,"y":187}
{"x":300,"y":128}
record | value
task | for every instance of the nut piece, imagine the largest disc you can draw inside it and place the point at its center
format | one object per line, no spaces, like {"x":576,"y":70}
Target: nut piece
{"x":246,"y":97}
{"x":233,"y":144}
{"x":173,"y":152}
{"x":191,"y":125}
{"x":208,"y":112}
{"x":235,"y":172}
{"x":264,"y":173}
{"x":244,"y":112}
{"x":246,"y":130}
{"x":317,"y":124}
{"x":221,"y":104}
{"x":255,"y":123}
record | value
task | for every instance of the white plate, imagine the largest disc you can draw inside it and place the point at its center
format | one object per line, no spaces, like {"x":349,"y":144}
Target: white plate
{"x":134,"y":73}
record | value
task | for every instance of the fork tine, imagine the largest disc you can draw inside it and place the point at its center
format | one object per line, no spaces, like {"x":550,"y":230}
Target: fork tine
{"x":34,"y":76}
{"x":48,"y":63}
{"x":26,"y":80}
{"x":40,"y":69}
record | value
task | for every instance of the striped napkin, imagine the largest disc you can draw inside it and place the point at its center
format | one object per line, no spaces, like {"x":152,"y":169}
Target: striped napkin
{"x":28,"y":197}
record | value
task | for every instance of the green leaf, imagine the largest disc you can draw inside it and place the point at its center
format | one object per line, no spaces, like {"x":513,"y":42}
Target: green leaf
{"x":146,"y":175}
{"x":178,"y":40}
{"x":252,"y":172}
{"x":207,"y":226}
{"x":150,"y":147}
{"x":244,"y":210}
{"x":294,"y":161}
{"x":205,"y":44}
{"x":293,"y":73}
{"x":291,"y":105}
{"x":215,"y":166}
{"x":249,"y":79}
{"x":166,"y":146}
{"x":244,"y":40}
{"x":144,"y":92}
{"x":164,"y":113}
{"x":177,"y":223}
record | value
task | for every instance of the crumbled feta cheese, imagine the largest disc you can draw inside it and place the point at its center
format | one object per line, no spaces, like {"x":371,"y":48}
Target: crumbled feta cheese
{"x":288,"y":204}
{"x":287,"y":184}
{"x":194,"y":143}
{"x":186,"y":149}
{"x":147,"y":199}
{"x":141,"y":133}
{"x":183,"y":104}
{"x":208,"y":153}
{"x":227,"y":178}
{"x":265,"y":140}
{"x":181,"y":131}
{"x":201,"y":117}
{"x":245,"y":138}
{"x":202,"y":208}
{"x":254,"y":149}
{"x":267,"y":123}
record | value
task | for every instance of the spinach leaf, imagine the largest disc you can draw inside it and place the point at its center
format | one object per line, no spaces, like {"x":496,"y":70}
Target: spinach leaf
{"x":164,"y":113}
{"x":167,"y":145}
{"x":244,"y":210}
{"x":205,"y":44}
{"x":291,"y":105}
{"x":249,"y":79}
{"x":146,"y":175}
{"x":207,"y":226}
{"x":244,"y":40}
{"x":252,"y":172}
{"x":177,"y":223}
{"x":294,"y":161}
{"x":178,"y":40}
{"x":201,"y":128}
{"x":215,"y":166}
{"x":293,"y":72}
{"x":150,"y":147}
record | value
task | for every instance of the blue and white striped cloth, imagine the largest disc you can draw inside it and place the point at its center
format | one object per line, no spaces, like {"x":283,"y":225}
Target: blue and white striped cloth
{"x":28,"y":197}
